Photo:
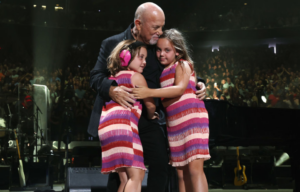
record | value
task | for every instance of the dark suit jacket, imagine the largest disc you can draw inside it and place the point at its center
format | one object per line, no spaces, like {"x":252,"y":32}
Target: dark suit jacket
{"x":101,"y":84}
{"x":99,"y":77}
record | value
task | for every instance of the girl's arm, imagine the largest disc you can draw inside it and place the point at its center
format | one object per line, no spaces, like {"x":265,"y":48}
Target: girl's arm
{"x":182,"y":77}
{"x":139,"y":79}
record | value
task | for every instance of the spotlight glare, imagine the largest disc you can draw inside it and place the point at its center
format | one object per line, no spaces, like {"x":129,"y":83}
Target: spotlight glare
{"x":58,"y":8}
{"x":284,"y":157}
{"x":263,"y":98}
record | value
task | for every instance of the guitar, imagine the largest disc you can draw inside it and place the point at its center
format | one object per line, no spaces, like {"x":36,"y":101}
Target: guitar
{"x":20,"y":169}
{"x":239,"y":171}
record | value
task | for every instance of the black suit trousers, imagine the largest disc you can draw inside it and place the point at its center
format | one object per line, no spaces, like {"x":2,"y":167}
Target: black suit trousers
{"x":154,"y":144}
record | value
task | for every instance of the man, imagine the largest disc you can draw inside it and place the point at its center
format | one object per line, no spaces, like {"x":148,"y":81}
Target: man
{"x":228,"y":83}
{"x":147,"y":27}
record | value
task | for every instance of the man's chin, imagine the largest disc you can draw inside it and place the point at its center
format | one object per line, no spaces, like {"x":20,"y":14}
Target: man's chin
{"x":153,"y":42}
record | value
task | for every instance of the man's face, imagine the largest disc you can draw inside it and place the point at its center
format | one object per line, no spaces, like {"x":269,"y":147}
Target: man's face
{"x":151,"y":27}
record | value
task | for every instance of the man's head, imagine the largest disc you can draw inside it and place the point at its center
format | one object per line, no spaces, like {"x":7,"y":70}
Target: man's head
{"x":228,"y":80}
{"x":149,"y":20}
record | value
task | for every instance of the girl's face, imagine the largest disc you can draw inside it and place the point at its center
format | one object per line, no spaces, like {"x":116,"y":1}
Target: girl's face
{"x":165,"y":52}
{"x":139,"y":62}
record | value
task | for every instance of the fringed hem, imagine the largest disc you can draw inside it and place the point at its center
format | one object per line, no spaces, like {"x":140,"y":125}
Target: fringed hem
{"x":183,"y":163}
{"x":115,"y":170}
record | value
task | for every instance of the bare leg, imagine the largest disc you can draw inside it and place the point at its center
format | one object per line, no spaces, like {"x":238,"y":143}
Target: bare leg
{"x":123,"y":179}
{"x":197,"y":176}
{"x":135,"y":178}
{"x":187,"y":179}
{"x":180,"y":179}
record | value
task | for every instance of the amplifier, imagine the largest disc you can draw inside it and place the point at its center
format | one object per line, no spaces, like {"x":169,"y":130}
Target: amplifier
{"x":84,"y":179}
{"x":5,"y":177}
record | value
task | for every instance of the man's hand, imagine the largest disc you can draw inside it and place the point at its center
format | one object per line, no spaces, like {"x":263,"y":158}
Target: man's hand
{"x":121,"y":95}
{"x":202,"y":92}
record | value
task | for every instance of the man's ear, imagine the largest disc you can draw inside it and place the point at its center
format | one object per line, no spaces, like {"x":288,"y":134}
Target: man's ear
{"x":138,"y":24}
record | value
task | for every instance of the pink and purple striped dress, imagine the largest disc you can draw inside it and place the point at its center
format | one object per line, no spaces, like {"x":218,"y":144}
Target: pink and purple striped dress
{"x":118,"y":132}
{"x":187,"y":122}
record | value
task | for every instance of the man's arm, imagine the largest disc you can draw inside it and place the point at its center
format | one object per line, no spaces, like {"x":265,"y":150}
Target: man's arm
{"x":99,"y":75}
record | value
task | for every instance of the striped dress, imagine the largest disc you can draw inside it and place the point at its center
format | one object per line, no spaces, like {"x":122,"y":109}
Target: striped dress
{"x":187,"y":122}
{"x":118,"y":132}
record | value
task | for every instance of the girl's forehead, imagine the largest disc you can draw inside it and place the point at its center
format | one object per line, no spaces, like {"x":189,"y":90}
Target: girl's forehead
{"x":164,"y":41}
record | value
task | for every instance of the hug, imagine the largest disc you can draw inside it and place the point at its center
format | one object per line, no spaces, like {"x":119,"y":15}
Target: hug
{"x":148,"y":110}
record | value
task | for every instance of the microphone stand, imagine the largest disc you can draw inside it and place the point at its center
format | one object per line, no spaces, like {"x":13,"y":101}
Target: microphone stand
{"x":37,"y":127}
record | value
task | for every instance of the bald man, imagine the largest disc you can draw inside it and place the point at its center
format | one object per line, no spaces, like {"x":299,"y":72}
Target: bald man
{"x":147,"y":27}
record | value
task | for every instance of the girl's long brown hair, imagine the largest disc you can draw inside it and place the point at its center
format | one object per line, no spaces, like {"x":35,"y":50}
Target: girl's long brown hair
{"x":114,"y":62}
{"x":179,"y":43}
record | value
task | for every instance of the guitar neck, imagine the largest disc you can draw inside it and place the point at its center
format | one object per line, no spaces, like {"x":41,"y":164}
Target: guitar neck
{"x":17,"y":143}
{"x":238,"y":157}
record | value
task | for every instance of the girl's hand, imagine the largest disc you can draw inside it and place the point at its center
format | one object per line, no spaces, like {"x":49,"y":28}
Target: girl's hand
{"x":140,"y":92}
{"x":155,"y":116}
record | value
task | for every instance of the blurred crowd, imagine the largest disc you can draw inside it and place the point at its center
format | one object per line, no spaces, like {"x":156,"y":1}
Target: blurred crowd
{"x":252,"y":76}
{"x":198,"y":18}
{"x":243,"y":76}
{"x":73,"y":98}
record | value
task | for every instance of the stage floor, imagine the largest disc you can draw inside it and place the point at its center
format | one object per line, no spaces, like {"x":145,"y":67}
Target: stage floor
{"x":60,"y":187}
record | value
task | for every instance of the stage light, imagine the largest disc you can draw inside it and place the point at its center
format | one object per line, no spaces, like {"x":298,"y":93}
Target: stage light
{"x":245,"y":3}
{"x":34,"y":5}
{"x":215,"y":47}
{"x":283,"y":158}
{"x":58,"y":8}
{"x":44,"y":7}
{"x":273,"y":45}
{"x":2,"y":123}
{"x":263,"y":98}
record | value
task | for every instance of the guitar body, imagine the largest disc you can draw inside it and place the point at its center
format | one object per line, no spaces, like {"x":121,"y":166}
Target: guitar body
{"x":240,"y":178}
{"x":21,"y":174}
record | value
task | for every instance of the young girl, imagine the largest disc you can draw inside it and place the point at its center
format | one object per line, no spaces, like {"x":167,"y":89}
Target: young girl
{"x":187,"y":118}
{"x":122,"y":150}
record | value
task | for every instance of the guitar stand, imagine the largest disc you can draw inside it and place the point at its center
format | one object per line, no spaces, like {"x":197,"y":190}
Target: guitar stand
{"x":32,"y":185}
